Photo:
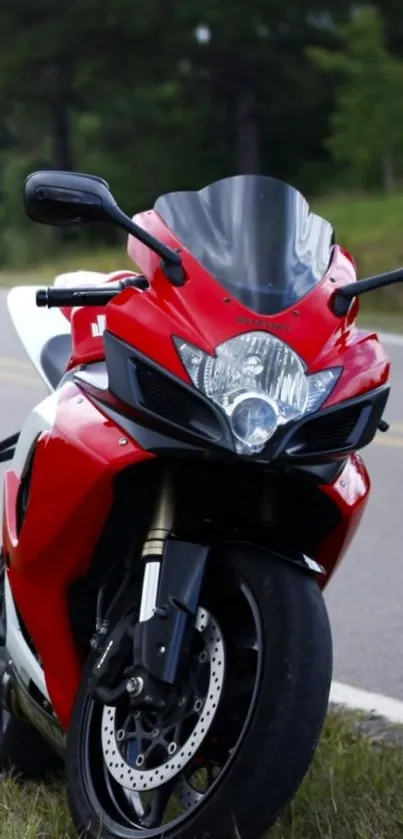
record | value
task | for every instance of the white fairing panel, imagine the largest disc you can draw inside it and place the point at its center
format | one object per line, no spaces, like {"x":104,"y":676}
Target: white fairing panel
{"x":27,"y":666}
{"x":35,"y":326}
{"x":41,"y":419}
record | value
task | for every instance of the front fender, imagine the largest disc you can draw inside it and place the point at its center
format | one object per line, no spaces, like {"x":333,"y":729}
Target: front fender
{"x":284,"y":553}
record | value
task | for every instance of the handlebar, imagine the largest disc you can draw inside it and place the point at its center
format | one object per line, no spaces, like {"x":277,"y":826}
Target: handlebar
{"x":86,"y":295}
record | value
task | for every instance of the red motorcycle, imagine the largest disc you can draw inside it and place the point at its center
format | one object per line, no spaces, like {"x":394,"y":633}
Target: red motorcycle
{"x":176,"y":505}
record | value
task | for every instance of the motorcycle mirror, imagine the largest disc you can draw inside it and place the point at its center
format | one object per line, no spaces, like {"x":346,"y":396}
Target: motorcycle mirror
{"x":73,"y":199}
{"x":68,"y":199}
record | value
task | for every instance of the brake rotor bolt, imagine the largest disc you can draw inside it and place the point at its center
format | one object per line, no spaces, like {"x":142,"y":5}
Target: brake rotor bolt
{"x":120,"y":735}
{"x":155,"y":732}
{"x":135,"y":685}
{"x":203,"y":657}
{"x":198,"y":705}
{"x":182,"y":701}
{"x":139,"y":760}
{"x":172,"y":748}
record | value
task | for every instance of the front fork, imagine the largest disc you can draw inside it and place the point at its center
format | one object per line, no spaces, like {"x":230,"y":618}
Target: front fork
{"x":154,"y":545}
{"x":173,"y":577}
{"x":158,"y":640}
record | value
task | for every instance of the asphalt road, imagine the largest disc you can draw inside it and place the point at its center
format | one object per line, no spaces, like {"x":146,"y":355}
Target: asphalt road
{"x":365,"y":598}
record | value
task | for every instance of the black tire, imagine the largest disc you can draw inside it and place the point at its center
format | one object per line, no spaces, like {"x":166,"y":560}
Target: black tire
{"x":284,"y":726}
{"x":24,"y":752}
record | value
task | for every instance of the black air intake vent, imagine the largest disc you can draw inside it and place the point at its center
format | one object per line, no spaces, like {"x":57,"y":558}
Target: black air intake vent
{"x":159,"y":395}
{"x":175,"y":403}
{"x":330,"y":432}
{"x":164,"y":397}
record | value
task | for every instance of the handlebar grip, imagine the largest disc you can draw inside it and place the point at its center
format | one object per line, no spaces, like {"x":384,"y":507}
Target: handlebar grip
{"x":57,"y":297}
{"x":90,"y":296}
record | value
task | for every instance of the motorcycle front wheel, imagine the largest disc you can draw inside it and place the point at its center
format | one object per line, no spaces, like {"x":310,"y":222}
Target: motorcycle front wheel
{"x":233,"y":751}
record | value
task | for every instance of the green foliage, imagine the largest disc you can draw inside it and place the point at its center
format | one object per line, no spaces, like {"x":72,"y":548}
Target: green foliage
{"x":367,"y":124}
{"x":128,"y":91}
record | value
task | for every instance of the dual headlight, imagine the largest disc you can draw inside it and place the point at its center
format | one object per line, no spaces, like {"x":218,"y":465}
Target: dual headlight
{"x":259,"y":383}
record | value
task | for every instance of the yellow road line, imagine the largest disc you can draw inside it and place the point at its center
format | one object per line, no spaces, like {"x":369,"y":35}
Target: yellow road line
{"x":397,"y":426}
{"x":19,"y":378}
{"x":387,"y":440}
{"x":14,"y":363}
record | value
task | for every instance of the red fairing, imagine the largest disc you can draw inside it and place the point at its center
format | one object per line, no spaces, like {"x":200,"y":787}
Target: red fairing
{"x":76,"y":462}
{"x":350,"y":494}
{"x":70,"y":500}
{"x":87,"y":343}
{"x":204,"y":314}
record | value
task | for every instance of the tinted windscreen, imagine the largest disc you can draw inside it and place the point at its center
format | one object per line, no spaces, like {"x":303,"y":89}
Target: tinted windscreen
{"x":255,"y":235}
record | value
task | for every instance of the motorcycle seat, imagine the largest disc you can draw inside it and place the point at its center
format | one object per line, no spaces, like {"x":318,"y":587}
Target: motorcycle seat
{"x":55,"y":356}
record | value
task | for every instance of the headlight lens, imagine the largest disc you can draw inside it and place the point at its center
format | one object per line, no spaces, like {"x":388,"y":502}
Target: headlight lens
{"x":259,"y":382}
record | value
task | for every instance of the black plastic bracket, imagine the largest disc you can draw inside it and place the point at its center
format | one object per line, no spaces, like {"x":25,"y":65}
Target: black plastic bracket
{"x":383,"y":426}
{"x":174,"y":272}
{"x":161,"y":643}
{"x":340,"y":305}
{"x":7,"y":448}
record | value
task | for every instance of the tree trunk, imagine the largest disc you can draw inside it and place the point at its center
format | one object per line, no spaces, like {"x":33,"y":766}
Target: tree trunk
{"x":60,"y":117}
{"x":59,"y":114}
{"x":248,"y":146}
{"x":63,"y":155}
{"x":388,"y":174}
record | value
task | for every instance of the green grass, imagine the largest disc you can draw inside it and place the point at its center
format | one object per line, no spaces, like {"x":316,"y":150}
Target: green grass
{"x":353,"y":791}
{"x":371,"y":227}
{"x":381,"y":320}
{"x":112,"y":259}
{"x":33,"y":812}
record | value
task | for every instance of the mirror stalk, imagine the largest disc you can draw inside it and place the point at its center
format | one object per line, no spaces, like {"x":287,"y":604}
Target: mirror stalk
{"x":342,"y":298}
{"x":74,"y":199}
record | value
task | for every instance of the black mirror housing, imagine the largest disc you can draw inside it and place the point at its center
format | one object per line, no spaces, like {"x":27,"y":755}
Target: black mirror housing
{"x":68,"y":199}
{"x":72,"y":199}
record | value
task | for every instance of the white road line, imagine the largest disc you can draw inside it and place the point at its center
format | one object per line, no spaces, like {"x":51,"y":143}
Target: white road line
{"x":363,"y":700}
{"x":391,"y":338}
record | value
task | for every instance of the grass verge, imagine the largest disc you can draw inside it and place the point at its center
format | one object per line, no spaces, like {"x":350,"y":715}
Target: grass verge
{"x":353,"y":791}
{"x":381,"y":321}
{"x":370,"y":226}
{"x":107,"y":259}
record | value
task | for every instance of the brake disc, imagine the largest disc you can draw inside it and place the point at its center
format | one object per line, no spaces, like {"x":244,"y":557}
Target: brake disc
{"x":140,"y":778}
